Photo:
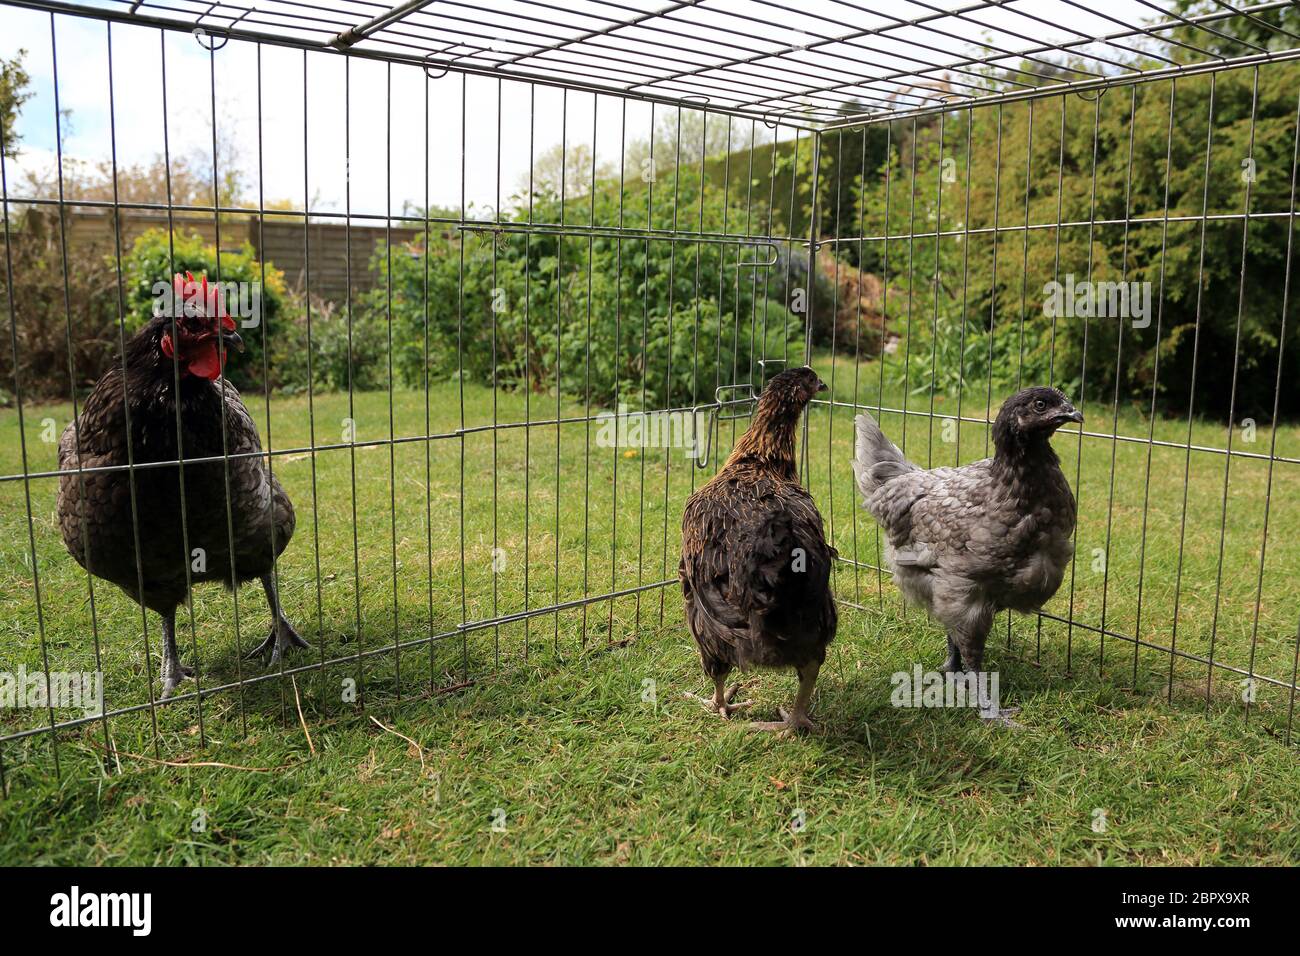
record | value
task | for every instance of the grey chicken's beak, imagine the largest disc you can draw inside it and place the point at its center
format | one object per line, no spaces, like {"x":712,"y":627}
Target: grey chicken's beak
{"x":1071,"y":414}
{"x":231,"y":340}
{"x":822,"y":386}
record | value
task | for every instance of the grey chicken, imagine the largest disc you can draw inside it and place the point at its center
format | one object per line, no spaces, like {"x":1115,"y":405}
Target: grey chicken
{"x":94,"y":507}
{"x":755,"y":567}
{"x":967,"y":542}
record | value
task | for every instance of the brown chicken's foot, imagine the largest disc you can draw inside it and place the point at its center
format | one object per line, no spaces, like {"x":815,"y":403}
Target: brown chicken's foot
{"x":723,"y":707}
{"x":790,"y":723}
{"x":795,"y":720}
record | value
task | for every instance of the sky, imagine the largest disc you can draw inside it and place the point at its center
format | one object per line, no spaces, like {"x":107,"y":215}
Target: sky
{"x":385,"y":105}
{"x":138,"y":53}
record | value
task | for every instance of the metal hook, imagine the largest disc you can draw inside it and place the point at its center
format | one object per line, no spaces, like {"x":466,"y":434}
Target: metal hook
{"x":472,"y":51}
{"x":201,"y":35}
{"x":702,"y":461}
{"x":430,"y":56}
{"x":716,"y":416}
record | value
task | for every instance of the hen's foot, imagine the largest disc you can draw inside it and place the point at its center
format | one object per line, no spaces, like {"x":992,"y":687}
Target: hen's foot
{"x":790,"y":723}
{"x":172,"y":674}
{"x":1002,"y":718}
{"x":282,"y":638}
{"x":725,"y":707}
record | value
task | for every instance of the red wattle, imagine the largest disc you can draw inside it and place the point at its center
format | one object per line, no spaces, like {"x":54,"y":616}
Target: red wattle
{"x":206,"y":364}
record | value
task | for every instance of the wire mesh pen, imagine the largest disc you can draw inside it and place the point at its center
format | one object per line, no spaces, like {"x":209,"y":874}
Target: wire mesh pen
{"x":513,"y":232}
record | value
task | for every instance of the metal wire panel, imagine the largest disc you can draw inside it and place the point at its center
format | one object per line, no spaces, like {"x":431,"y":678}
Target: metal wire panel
{"x":830,"y":62}
{"x":398,"y":594}
{"x":461,"y":554}
{"x":1168,"y":601}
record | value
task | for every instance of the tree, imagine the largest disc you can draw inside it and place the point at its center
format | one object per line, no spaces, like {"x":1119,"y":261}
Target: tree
{"x":14,"y":80}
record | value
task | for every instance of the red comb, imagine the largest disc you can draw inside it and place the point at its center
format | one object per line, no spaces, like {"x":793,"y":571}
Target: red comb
{"x":208,"y":301}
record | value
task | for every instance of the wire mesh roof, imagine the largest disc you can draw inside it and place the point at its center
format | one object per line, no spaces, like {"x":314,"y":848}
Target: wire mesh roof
{"x":806,"y":62}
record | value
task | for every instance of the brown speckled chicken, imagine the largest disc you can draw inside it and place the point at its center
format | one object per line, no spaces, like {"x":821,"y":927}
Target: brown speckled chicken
{"x":755,"y":566}
{"x":95,"y":508}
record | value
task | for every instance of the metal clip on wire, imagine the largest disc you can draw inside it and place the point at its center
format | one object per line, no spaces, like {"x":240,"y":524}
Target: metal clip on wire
{"x":716,"y":416}
{"x":776,"y":257}
{"x":205,"y":38}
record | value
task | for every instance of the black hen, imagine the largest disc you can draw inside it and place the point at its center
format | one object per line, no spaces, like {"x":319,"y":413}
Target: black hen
{"x":94,"y":507}
{"x":968,"y":542}
{"x":755,"y":566}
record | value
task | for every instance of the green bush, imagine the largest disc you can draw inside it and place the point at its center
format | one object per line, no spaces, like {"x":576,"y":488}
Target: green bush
{"x":595,"y":315}
{"x":327,"y":352}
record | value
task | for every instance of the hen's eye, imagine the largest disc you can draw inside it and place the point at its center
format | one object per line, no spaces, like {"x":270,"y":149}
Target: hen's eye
{"x":1039,"y":404}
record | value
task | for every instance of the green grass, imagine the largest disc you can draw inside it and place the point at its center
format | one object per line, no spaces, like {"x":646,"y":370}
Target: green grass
{"x":555,"y":726}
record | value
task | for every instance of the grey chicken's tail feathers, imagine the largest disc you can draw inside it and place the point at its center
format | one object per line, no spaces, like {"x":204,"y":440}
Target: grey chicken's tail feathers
{"x":876,"y":459}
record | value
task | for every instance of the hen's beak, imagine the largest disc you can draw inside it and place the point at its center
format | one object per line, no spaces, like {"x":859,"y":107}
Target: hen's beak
{"x":822,"y":386}
{"x":1071,"y":414}
{"x":231,"y":340}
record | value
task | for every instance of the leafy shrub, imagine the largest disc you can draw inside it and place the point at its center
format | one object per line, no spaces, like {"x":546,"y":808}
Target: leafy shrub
{"x":327,"y":353}
{"x":1210,"y":323}
{"x":938,"y":352}
{"x":613,"y":318}
{"x":47,"y":314}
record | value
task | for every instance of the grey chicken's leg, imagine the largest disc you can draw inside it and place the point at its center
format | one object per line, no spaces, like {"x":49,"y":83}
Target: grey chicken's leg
{"x":953,"y":664}
{"x":173,"y":671}
{"x":1000,"y":716}
{"x":796,"y":719}
{"x":722,"y":701}
{"x":282,"y":636}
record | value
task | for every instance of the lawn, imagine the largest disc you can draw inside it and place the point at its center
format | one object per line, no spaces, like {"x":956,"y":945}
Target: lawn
{"x":565,"y":738}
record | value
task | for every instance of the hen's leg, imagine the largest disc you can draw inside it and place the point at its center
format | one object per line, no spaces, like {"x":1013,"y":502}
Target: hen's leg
{"x":282,"y":636}
{"x":1000,"y":716}
{"x":723,"y":702}
{"x":173,"y":671}
{"x":953,"y":664}
{"x":796,"y":719}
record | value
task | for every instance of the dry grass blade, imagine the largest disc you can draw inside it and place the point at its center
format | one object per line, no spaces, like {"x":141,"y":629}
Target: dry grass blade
{"x":192,"y":763}
{"x":418,"y":749}
{"x":298,"y":702}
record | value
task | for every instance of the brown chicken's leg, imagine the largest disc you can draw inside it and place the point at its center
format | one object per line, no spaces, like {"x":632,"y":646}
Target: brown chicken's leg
{"x":796,"y":720}
{"x":173,"y":671}
{"x":282,"y":636}
{"x":721,"y":702}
